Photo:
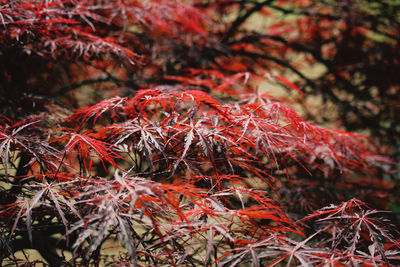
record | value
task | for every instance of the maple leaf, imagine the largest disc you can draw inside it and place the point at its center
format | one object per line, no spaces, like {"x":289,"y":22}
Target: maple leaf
{"x":83,"y":145}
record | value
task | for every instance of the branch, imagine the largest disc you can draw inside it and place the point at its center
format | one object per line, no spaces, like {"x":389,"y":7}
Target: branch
{"x":108,"y":78}
{"x":373,"y":28}
{"x":276,"y":60}
{"x":241,"y":19}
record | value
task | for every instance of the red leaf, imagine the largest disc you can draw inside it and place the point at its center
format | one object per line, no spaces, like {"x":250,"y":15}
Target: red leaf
{"x":284,"y":82}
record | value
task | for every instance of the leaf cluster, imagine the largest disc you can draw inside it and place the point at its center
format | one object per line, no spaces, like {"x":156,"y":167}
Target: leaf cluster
{"x":178,"y":158}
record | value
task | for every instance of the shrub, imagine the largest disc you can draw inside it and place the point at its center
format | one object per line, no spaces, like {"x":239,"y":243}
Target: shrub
{"x":180,"y":160}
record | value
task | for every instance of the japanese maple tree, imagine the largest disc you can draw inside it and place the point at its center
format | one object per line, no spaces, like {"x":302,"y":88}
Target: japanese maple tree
{"x":136,"y":133}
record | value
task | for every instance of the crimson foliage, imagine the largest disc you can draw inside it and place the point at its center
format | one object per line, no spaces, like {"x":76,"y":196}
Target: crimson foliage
{"x":186,"y":163}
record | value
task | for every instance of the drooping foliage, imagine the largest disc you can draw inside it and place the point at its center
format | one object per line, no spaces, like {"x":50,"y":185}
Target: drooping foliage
{"x":135,"y":133}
